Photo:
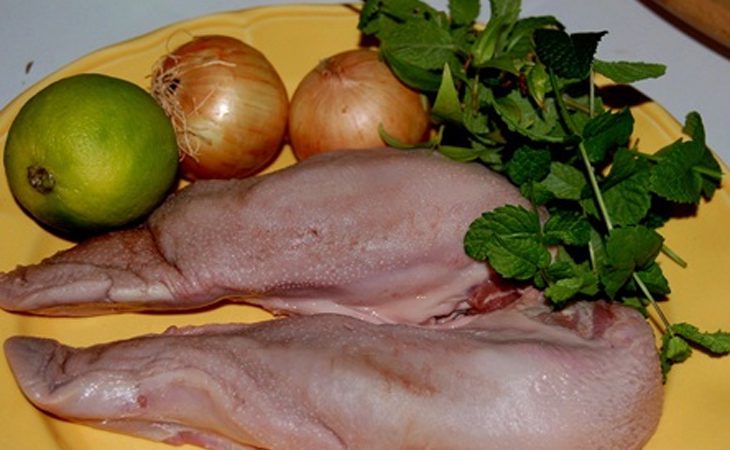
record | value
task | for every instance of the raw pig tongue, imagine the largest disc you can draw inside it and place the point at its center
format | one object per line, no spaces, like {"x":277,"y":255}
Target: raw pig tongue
{"x":518,"y":378}
{"x":372,"y":234}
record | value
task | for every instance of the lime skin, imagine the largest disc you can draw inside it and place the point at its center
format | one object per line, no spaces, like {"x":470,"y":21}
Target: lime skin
{"x":90,"y":153}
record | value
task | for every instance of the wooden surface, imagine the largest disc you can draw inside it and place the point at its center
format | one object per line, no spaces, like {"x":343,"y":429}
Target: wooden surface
{"x":708,"y":17}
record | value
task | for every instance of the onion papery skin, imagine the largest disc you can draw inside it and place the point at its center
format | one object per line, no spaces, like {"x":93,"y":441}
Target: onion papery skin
{"x":341,"y":103}
{"x":228,"y":104}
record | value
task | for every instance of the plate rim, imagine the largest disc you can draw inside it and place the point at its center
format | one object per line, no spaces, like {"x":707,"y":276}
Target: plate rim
{"x":651,"y":109}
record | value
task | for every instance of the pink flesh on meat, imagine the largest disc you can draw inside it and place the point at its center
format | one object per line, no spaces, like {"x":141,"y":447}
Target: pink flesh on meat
{"x":521,"y":377}
{"x":371,"y":234}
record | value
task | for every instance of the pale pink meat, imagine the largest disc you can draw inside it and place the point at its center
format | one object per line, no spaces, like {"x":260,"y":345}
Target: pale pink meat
{"x":372,"y":234}
{"x":518,"y":378}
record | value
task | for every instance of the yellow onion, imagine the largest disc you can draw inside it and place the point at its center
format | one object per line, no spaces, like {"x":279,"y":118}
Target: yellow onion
{"x":227,"y":103}
{"x":341,"y":103}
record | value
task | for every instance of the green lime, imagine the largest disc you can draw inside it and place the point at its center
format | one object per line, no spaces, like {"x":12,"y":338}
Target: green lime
{"x":90,"y":153}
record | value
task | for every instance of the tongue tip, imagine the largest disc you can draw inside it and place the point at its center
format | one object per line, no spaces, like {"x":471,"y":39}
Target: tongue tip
{"x":28,"y":358}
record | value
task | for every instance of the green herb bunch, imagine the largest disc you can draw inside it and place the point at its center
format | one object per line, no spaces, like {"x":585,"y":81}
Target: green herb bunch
{"x":519,"y":96}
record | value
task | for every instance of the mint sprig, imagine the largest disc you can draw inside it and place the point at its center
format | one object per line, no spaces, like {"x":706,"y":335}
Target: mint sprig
{"x":518,"y":95}
{"x":626,"y":72}
{"x":569,"y":56}
{"x":677,"y":344}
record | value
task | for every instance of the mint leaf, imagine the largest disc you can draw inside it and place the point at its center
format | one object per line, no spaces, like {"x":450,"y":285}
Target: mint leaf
{"x":677,"y":349}
{"x":509,"y":10}
{"x":686,"y":170}
{"x":626,"y":190}
{"x":461,"y":154}
{"x":597,"y":247}
{"x":512,"y":221}
{"x":519,"y":44}
{"x":415,"y":77}
{"x":628,"y":249}
{"x":465,"y":154}
{"x":629,"y":201}
{"x":625,"y":72}
{"x":654,"y":280}
{"x":565,"y":181}
{"x":447,"y":106}
{"x":503,"y":14}
{"x":521,"y":117}
{"x":504,"y":63}
{"x":538,"y":83}
{"x":368,"y":21}
{"x":476,"y":119}
{"x":614,"y":278}
{"x":676,"y":176}
{"x":417,"y":52}
{"x":392,"y":141}
{"x":712,"y":171}
{"x":563,"y":289}
{"x":717,"y":342}
{"x":585,"y":45}
{"x":509,"y":238}
{"x":567,"y":279}
{"x":378,"y":16}
{"x":528,"y":164}
{"x":569,"y":56}
{"x":567,"y":227}
{"x":606,"y":131}
{"x":490,"y":156}
{"x":674,"y":350}
{"x":414,"y":39}
{"x":422,"y":44}
{"x":517,"y":257}
{"x":463,"y":12}
{"x":636,"y":246}
{"x":694,"y":127}
{"x":536,"y":193}
{"x":583,"y":282}
{"x":626,"y":164}
{"x":399,"y":10}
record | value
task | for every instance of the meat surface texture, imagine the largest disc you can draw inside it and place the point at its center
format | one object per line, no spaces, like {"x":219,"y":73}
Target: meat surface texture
{"x":369,"y":234}
{"x":517,"y":378}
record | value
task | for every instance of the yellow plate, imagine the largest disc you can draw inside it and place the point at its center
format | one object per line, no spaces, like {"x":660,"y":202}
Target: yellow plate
{"x":295,"y":38}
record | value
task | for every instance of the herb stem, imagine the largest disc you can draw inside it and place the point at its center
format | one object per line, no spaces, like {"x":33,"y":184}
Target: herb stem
{"x":644,"y":290}
{"x":594,"y":186}
{"x":709,"y":172}
{"x":643,"y":155}
{"x":591,"y":94}
{"x":475,"y":93}
{"x":565,"y":115}
{"x":562,"y":108}
{"x":577,"y":105}
{"x":592,"y":255}
{"x":599,"y":197}
{"x":714,"y":174}
{"x":674,"y":256}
